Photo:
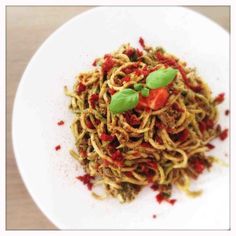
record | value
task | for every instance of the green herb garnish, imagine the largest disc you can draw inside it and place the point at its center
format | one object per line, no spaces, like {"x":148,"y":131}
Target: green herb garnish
{"x":123,"y":100}
{"x":160,"y":78}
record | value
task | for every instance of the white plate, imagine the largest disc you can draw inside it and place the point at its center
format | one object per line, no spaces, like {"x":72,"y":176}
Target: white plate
{"x":40,"y":103}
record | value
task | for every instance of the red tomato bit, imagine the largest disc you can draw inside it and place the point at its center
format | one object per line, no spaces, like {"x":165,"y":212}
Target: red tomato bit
{"x":108,"y":64}
{"x":171,"y":201}
{"x":125,"y":79}
{"x":210,"y":146}
{"x":93,"y":99}
{"x":224,"y":134}
{"x":147,"y":145}
{"x":111,"y":91}
{"x":129,"y":52}
{"x":198,"y":166}
{"x":154,"y":187}
{"x":95,"y":62}
{"x":176,"y":107}
{"x":131,"y":119}
{"x":107,"y":137}
{"x":89,"y":124}
{"x":117,"y":155}
{"x":156,"y":100}
{"x":139,"y":53}
{"x":227,"y":112}
{"x":220,"y":98}
{"x":60,"y":122}
{"x":83,"y":153}
{"x":129,"y":174}
{"x":86,"y":180}
{"x":160,"y":198}
{"x":141,"y":42}
{"x":183,"y":136}
{"x":58,"y":147}
{"x":80,"y":88}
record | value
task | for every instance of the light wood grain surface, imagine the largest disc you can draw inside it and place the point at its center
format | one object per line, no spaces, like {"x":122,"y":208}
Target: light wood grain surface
{"x":27,"y":28}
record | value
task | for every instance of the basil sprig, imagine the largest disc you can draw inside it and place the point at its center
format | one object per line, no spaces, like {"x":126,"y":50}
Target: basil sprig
{"x":160,"y":78}
{"x":127,"y":99}
{"x":123,"y":100}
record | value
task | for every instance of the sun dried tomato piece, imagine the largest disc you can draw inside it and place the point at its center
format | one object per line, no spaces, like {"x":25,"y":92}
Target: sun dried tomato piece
{"x":86,"y":180}
{"x":61,"y":122}
{"x":80,"y":88}
{"x":224,"y":134}
{"x":141,"y":42}
{"x":58,"y":147}
{"x":93,"y":99}
{"x":108,"y":64}
{"x":89,"y":124}
{"x":107,"y":137}
{"x":183,"y":136}
{"x":219,"y":98}
{"x":210,"y":146}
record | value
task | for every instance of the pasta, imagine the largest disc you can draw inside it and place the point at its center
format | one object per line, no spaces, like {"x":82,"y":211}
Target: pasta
{"x":147,"y":144}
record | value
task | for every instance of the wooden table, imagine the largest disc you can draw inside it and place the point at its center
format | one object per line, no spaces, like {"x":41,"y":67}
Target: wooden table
{"x":27,"y":28}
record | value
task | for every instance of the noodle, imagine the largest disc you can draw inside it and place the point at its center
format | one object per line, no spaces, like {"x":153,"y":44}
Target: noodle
{"x":129,"y":150}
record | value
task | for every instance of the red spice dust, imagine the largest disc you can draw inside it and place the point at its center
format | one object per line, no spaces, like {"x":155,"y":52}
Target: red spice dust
{"x":220,"y":98}
{"x":227,"y":112}
{"x":141,"y":42}
{"x":58,"y":147}
{"x":86,"y":180}
{"x":224,"y":134}
{"x":61,"y":122}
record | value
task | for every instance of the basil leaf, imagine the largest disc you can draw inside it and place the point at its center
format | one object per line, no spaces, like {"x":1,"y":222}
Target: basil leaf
{"x":160,"y":78}
{"x":123,"y":100}
{"x":145,"y":92}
